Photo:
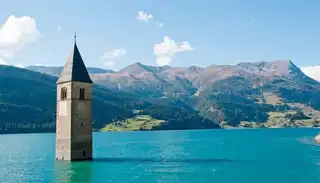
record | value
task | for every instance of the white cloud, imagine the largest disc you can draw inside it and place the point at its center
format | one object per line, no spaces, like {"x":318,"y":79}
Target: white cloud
{"x":2,"y":62}
{"x":46,"y":65}
{"x":59,"y":27}
{"x":15,"y":33}
{"x":19,"y":65}
{"x":111,"y":55}
{"x":159,"y":24}
{"x":312,"y":71}
{"x":109,"y":64}
{"x":7,"y":55}
{"x":144,"y":16}
{"x":164,"y":60}
{"x":118,"y":52}
{"x":165,"y":50}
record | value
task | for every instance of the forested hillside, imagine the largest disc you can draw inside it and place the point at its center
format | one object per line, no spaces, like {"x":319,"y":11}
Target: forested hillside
{"x":28,"y":103}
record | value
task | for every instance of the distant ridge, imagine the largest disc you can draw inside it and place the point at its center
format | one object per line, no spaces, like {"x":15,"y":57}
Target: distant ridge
{"x":55,"y":71}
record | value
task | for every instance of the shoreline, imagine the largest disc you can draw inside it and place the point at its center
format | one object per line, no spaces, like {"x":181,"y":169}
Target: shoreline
{"x":235,"y":128}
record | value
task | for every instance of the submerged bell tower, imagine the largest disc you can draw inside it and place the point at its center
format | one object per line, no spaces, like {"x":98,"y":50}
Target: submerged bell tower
{"x":74,"y":110}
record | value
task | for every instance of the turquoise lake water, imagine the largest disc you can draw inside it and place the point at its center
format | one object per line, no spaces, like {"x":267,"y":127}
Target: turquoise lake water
{"x":227,"y":156}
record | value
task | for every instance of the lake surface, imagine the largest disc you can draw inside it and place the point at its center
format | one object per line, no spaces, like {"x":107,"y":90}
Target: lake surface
{"x":228,"y":156}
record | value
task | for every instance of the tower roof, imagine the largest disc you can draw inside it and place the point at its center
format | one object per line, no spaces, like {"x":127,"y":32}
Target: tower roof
{"x":74,"y":69}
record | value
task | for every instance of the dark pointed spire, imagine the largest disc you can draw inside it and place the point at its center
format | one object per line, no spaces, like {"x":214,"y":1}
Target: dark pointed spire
{"x":74,"y":69}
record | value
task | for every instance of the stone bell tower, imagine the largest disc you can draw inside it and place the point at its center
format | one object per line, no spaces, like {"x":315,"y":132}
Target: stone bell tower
{"x":74,"y":110}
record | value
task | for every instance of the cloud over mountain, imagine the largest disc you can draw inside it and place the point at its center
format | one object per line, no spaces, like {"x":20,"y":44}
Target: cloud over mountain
{"x":165,"y":50}
{"x":312,"y":71}
{"x":109,"y":56}
{"x":14,"y":34}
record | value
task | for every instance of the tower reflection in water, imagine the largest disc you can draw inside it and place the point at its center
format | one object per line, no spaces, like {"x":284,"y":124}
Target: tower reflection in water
{"x":71,"y":172}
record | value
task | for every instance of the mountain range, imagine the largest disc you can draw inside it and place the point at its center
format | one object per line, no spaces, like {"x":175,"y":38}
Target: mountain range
{"x":55,"y":71}
{"x":248,"y":94}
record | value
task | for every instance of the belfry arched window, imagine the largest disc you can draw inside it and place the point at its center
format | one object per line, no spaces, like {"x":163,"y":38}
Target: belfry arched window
{"x":63,"y":94}
{"x":81,"y":93}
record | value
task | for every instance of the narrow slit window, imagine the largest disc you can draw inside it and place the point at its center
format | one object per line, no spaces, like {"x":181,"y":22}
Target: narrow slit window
{"x":63,"y":94}
{"x":81,"y":93}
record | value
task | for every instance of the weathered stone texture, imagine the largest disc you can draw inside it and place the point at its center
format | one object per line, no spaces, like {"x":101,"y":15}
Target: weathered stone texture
{"x":74,"y":118}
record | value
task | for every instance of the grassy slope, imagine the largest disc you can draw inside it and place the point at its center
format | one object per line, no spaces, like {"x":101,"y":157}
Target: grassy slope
{"x":139,"y":122}
{"x":270,"y":103}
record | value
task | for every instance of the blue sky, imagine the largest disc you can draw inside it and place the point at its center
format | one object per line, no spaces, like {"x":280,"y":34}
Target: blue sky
{"x":213,"y":31}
